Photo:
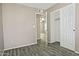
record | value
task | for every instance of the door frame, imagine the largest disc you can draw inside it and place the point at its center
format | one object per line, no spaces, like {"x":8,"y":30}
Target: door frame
{"x":51,"y":13}
{"x":36,"y":25}
{"x":74,"y":22}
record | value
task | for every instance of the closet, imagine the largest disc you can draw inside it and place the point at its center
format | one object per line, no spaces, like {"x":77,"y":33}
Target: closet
{"x":55,"y":26}
{"x":62,"y":26}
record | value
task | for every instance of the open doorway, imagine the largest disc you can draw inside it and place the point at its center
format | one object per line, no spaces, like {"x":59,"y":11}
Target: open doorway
{"x":55,"y":27}
{"x":41,"y":22}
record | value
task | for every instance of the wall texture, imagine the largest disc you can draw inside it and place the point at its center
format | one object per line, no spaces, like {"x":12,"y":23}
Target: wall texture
{"x":1,"y":30}
{"x":18,"y":26}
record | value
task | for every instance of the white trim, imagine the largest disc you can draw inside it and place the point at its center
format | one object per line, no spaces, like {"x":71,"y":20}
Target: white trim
{"x":19,"y":46}
{"x":77,"y":52}
{"x":74,"y":5}
{"x":36,"y":25}
{"x":47,"y":27}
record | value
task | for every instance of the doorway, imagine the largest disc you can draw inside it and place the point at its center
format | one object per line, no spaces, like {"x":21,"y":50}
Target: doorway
{"x":41,"y":22}
{"x":55,"y":26}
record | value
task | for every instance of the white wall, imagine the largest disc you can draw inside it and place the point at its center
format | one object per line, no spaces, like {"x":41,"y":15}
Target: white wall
{"x":18,"y":24}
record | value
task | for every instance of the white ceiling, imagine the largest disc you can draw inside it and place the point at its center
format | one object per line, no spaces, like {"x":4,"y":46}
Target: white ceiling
{"x":39,"y":5}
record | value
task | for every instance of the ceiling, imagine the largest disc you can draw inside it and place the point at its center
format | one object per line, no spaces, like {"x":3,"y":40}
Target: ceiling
{"x":39,"y":5}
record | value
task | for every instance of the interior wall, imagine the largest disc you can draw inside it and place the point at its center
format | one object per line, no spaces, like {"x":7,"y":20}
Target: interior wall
{"x":1,"y":30}
{"x":77,"y":28}
{"x":18,"y":26}
{"x":55,"y":7}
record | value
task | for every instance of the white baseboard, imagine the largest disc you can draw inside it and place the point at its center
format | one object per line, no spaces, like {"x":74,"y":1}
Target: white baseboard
{"x":19,"y":46}
{"x":77,"y":52}
{"x":53,"y":42}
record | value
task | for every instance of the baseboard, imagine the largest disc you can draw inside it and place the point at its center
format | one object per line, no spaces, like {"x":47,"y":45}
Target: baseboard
{"x":53,"y":42}
{"x":77,"y":52}
{"x":20,"y":46}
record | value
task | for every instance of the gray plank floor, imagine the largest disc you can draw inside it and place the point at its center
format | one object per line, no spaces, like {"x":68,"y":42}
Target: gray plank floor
{"x":53,"y":49}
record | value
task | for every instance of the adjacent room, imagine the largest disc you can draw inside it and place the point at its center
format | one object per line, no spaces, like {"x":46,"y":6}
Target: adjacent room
{"x":39,"y":29}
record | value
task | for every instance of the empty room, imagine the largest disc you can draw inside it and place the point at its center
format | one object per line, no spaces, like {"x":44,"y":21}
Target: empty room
{"x":39,"y":29}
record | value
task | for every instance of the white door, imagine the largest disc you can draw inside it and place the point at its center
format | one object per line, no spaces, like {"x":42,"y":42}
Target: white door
{"x":67,"y":24}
